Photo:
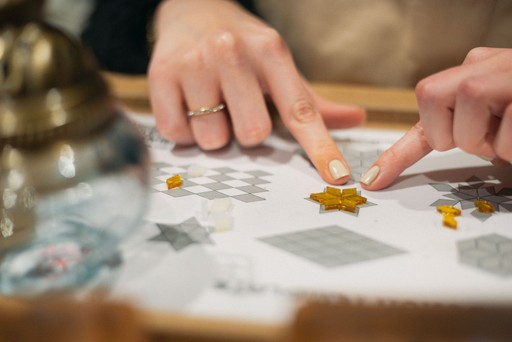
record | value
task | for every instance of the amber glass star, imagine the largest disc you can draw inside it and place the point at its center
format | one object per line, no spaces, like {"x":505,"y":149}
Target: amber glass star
{"x":336,"y":199}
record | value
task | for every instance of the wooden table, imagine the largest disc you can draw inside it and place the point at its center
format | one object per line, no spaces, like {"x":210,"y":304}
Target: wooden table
{"x":388,"y":108}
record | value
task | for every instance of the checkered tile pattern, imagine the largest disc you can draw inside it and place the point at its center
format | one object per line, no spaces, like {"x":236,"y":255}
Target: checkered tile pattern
{"x":491,"y":253}
{"x":244,"y":186}
{"x":331,"y":246}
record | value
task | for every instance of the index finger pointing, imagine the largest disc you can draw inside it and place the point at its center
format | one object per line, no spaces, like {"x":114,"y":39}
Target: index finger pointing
{"x":405,"y":152}
{"x":303,"y":120}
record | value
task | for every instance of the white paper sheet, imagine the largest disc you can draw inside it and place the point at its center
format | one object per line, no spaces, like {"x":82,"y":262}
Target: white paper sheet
{"x":238,"y":275}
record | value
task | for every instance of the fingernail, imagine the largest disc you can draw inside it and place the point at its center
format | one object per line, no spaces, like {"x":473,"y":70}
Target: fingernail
{"x":485,"y":158}
{"x":337,"y":169}
{"x":369,"y":176}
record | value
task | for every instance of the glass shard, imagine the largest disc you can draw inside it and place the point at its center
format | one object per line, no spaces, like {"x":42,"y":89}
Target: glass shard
{"x":174,"y":182}
{"x":484,"y":206}
{"x":449,"y":213}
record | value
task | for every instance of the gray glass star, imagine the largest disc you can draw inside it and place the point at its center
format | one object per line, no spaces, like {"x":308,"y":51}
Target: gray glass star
{"x":474,"y":189}
{"x":183,"y":234}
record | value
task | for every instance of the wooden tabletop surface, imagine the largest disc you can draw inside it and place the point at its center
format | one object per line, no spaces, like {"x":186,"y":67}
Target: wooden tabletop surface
{"x":388,"y":108}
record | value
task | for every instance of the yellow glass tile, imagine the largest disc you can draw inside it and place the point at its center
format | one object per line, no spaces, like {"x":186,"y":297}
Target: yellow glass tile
{"x":484,"y":206}
{"x":449,"y":221}
{"x":351,"y":202}
{"x":321,"y":197}
{"x":333,"y":191}
{"x":349,"y":192}
{"x":332,"y":206}
{"x":331,"y":203}
{"x":174,"y":182}
{"x":317,"y":196}
{"x":357,"y":199}
{"x":347,"y":207}
{"x":448,"y":209}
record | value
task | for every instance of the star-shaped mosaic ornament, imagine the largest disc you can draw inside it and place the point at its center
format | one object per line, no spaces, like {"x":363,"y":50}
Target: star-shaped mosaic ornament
{"x":465,"y":195}
{"x":348,"y":200}
{"x":183,"y":234}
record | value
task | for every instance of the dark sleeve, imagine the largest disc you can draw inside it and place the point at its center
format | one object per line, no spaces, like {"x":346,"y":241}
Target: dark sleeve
{"x":249,"y":5}
{"x":116,"y":33}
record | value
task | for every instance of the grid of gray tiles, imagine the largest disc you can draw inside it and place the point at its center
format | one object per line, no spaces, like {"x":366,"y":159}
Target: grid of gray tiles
{"x":183,"y":234}
{"x":490,"y":253}
{"x":221,"y":182}
{"x":331,"y":246}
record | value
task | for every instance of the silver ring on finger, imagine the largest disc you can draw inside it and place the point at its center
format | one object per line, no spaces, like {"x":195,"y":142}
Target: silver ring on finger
{"x":206,"y":110}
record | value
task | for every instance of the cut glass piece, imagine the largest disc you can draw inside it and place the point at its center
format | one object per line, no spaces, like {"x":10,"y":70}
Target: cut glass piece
{"x":448,"y":210}
{"x":332,"y":204}
{"x":347,"y":207}
{"x":442,"y":187}
{"x":484,"y":206}
{"x":320,"y":196}
{"x":174,"y":182}
{"x":349,"y":192}
{"x":449,"y":221}
{"x":333,"y":191}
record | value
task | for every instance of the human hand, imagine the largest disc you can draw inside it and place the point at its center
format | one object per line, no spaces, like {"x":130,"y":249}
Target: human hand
{"x":209,"y":52}
{"x":469,"y":106}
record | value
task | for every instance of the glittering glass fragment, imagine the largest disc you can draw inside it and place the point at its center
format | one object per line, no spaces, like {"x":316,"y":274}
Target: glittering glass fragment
{"x":174,"y":182}
{"x":449,"y":221}
{"x":484,"y":206}
{"x":449,"y":213}
{"x":333,"y":191}
{"x":448,"y":209}
{"x":332,"y":204}
{"x":356,"y":199}
{"x":349,"y":192}
{"x":347,"y":207}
